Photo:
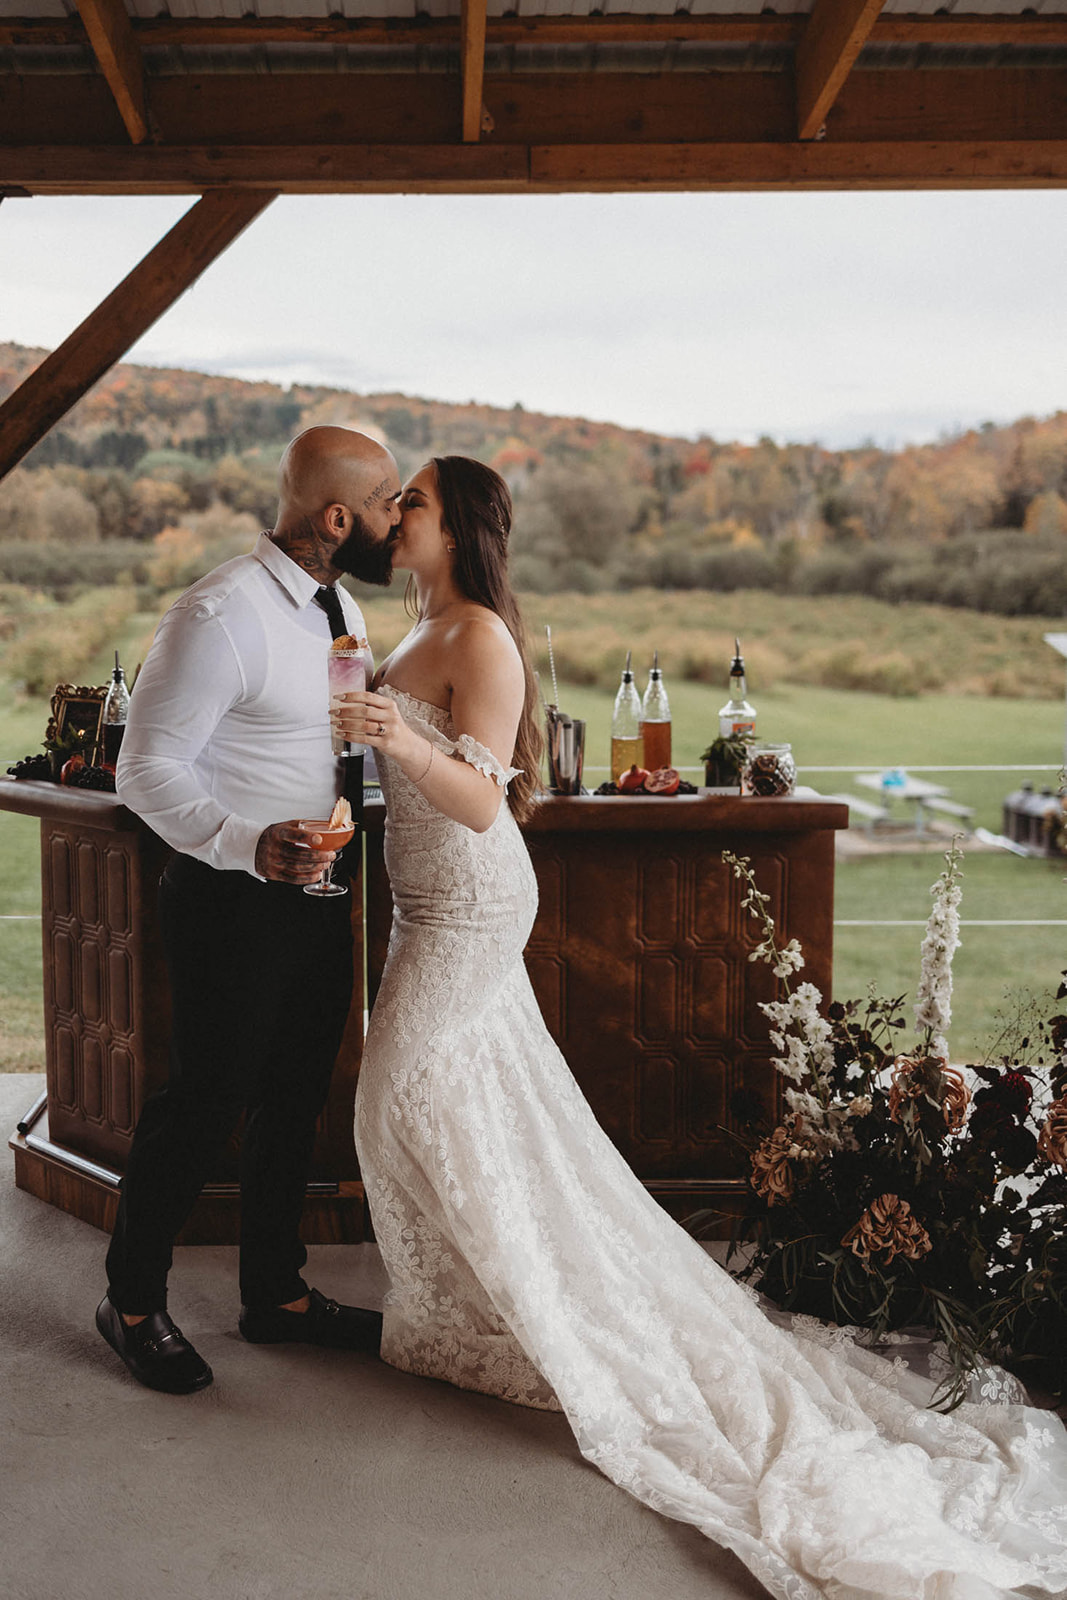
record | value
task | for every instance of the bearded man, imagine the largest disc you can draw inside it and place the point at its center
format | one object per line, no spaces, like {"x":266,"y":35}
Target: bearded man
{"x":228,"y":742}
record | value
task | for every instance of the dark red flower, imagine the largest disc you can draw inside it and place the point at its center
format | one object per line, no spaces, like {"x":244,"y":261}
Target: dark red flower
{"x":989,"y":1116}
{"x":1017,"y":1087}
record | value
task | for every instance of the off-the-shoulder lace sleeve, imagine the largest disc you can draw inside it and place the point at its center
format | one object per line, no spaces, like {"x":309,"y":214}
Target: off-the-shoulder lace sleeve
{"x":464,"y":748}
{"x":476,"y":755}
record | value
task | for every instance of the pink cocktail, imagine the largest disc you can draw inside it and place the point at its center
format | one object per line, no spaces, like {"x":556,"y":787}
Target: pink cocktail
{"x":348,"y":671}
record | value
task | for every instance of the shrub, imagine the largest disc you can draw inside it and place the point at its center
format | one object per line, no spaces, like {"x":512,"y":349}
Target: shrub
{"x":61,"y":646}
{"x":57,"y":569}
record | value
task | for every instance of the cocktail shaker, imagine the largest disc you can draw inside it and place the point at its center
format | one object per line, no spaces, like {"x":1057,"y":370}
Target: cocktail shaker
{"x":566,"y":751}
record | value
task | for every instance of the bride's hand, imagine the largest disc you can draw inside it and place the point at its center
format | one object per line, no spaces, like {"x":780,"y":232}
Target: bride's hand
{"x":363,"y":717}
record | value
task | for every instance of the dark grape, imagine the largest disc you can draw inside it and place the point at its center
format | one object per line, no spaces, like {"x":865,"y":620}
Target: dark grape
{"x":31,"y":767}
{"x":100,"y":778}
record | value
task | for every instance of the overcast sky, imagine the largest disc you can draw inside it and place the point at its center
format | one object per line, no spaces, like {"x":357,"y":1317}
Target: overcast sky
{"x":806,"y":316}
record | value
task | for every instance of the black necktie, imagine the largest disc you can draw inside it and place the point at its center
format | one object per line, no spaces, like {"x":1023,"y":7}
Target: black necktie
{"x":327,"y":599}
{"x":353,"y":780}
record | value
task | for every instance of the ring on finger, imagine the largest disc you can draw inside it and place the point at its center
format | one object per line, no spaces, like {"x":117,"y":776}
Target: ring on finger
{"x":381,"y":729}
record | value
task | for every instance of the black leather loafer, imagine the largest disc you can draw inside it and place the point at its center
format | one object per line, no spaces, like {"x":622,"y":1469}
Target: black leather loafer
{"x":154,"y":1351}
{"x":325,"y":1323}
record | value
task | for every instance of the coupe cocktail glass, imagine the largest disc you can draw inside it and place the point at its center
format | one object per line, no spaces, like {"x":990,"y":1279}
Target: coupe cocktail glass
{"x":329,"y":839}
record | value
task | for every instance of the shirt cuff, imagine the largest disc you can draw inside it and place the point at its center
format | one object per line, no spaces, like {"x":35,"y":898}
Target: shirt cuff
{"x":234,"y":849}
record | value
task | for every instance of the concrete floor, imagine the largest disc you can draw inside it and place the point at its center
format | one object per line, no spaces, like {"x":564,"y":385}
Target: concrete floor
{"x":300,"y":1474}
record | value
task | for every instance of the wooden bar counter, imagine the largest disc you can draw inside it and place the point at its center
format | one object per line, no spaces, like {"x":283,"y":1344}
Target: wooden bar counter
{"x":107,"y":1026}
{"x":639,"y":957}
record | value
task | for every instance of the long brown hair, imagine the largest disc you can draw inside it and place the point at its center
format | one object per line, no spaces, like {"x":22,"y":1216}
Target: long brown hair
{"x":476,"y":510}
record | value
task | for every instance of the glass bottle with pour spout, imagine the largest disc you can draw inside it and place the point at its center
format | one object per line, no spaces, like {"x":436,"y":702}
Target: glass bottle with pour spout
{"x":737,"y":716}
{"x":656,"y":720}
{"x":627,"y":746}
{"x":114,"y":716}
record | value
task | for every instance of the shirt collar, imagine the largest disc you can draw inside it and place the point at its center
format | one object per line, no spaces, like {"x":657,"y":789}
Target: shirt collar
{"x":299,"y":585}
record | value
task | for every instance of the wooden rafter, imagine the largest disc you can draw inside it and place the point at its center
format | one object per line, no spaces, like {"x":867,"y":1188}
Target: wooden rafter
{"x":112,"y":39}
{"x":119,"y":321}
{"x":472,"y":59}
{"x":835,"y":34}
{"x":959,"y":28}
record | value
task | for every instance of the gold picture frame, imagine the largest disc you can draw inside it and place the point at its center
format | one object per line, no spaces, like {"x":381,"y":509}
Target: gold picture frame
{"x":77,"y":710}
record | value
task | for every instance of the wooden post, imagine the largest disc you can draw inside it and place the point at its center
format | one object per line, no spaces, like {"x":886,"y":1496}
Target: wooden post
{"x":472,"y":27}
{"x":834,"y":36}
{"x":119,"y":321}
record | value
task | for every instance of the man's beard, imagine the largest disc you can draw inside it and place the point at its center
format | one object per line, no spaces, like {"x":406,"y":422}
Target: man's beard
{"x":365,"y":557}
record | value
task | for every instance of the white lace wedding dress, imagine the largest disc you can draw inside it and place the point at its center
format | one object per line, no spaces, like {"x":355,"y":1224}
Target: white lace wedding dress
{"x":526,"y":1261}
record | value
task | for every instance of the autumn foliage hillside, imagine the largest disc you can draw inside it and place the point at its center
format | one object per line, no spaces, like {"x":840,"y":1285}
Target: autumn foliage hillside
{"x":158,"y":473}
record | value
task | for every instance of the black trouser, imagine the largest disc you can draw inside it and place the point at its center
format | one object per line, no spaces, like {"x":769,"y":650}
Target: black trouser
{"x":261,"y":980}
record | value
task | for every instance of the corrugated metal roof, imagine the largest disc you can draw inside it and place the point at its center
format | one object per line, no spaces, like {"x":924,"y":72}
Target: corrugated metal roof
{"x":527,"y":56}
{"x":354,"y":9}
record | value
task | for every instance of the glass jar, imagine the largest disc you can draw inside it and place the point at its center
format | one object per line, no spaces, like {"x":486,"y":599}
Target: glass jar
{"x":769,"y":770}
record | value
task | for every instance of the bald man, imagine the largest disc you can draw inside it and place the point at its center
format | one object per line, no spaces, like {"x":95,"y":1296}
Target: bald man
{"x":226,"y":748}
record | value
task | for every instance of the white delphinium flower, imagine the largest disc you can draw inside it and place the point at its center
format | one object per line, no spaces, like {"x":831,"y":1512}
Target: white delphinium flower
{"x":790,"y":959}
{"x":860,"y":1106}
{"x":801,"y":1036}
{"x":805,"y":1104}
{"x":933,"y":1004}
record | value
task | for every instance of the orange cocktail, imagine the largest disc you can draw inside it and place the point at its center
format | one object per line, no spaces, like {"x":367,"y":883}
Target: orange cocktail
{"x":332,"y":834}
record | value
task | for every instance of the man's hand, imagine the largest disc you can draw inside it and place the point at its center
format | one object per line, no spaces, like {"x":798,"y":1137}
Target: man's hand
{"x":286,"y":853}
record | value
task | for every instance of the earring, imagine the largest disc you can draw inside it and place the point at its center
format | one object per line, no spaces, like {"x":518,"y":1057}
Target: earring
{"x":451,"y":549}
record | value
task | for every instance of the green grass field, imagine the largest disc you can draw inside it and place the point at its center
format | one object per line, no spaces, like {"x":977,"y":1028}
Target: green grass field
{"x":827,"y":727}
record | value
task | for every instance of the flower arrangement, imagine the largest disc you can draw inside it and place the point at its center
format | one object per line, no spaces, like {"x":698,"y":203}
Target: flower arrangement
{"x":898,"y":1190}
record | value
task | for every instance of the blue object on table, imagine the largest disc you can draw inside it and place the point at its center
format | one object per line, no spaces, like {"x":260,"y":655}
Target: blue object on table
{"x":894,"y":778}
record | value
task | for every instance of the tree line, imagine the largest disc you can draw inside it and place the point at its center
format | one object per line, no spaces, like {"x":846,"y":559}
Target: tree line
{"x":158,"y":474}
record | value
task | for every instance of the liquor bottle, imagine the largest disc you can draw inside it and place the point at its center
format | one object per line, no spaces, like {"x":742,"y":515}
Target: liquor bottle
{"x":737,"y":716}
{"x":627,"y":749}
{"x":656,"y":720}
{"x":113,"y":719}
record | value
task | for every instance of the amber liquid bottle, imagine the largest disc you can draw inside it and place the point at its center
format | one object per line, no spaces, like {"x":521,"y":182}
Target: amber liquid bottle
{"x":656,"y":720}
{"x":627,"y":746}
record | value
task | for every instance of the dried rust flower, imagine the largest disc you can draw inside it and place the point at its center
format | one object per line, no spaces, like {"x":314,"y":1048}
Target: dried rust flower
{"x":1052,"y":1140}
{"x":914,"y":1077}
{"x":955,"y":1098}
{"x":888,"y":1228}
{"x":773,"y":1174}
{"x":905,"y":1084}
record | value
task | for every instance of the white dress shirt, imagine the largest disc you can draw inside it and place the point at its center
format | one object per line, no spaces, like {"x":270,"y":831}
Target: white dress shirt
{"x":229,"y":727}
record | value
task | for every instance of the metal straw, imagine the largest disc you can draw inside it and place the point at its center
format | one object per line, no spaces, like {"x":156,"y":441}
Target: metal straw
{"x":552,"y":666}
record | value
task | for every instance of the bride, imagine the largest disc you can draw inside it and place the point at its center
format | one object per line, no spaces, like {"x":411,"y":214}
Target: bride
{"x":526,"y":1260}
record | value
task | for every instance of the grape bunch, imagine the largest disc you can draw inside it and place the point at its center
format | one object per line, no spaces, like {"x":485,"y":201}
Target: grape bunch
{"x":31,"y":767}
{"x":102,"y":778}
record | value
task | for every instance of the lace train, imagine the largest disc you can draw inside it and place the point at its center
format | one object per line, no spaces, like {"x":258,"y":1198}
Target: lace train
{"x":527,"y":1262}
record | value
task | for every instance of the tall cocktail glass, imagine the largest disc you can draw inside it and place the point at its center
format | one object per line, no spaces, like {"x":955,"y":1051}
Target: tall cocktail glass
{"x":348,"y":671}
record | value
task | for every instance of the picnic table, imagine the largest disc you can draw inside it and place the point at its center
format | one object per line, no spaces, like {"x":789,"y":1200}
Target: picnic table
{"x":922,"y":795}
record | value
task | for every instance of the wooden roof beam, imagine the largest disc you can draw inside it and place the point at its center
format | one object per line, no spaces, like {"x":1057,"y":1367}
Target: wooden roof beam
{"x":220,"y":111}
{"x":111,"y":36}
{"x":119,"y":321}
{"x":958,"y":27}
{"x":472,"y":61}
{"x":835,"y":34}
{"x":491,"y":168}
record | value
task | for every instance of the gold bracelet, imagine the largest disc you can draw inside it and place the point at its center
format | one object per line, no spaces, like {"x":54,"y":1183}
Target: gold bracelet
{"x":426,"y":768}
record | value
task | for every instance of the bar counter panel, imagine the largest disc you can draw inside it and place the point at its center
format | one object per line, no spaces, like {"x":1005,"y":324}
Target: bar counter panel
{"x":639,"y":960}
